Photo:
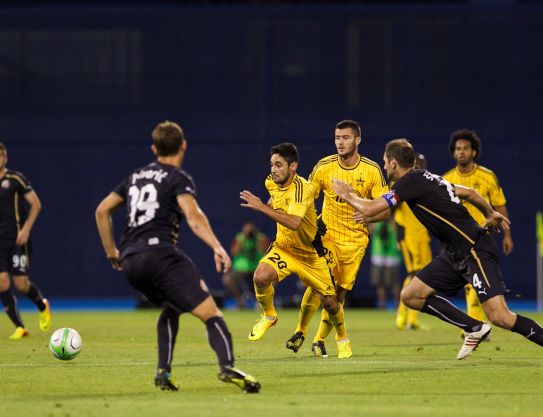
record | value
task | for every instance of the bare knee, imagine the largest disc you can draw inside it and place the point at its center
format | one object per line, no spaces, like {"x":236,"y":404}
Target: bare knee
{"x":4,"y":282}
{"x":22,"y":283}
{"x":502,"y":318}
{"x":330,"y":304}
{"x":262,"y":277}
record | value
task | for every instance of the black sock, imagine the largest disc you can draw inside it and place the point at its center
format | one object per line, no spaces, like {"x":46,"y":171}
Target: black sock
{"x":443,"y":309}
{"x":220,"y":341}
{"x":10,"y":307}
{"x":167,"y":327}
{"x":529,"y":329}
{"x":35,"y":295}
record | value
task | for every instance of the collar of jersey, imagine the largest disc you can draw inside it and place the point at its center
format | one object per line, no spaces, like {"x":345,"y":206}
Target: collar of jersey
{"x":467,"y":174}
{"x":349,"y":168}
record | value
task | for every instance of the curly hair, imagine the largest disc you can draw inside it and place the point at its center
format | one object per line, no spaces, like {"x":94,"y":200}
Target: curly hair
{"x":468,"y":135}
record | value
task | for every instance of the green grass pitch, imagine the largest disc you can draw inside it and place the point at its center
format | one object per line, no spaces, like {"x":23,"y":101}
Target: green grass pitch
{"x":392,"y":373}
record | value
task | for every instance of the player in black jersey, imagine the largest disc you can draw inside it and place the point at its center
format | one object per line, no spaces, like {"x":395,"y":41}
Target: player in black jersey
{"x":19,"y":208}
{"x":468,"y":251}
{"x":157,"y":198}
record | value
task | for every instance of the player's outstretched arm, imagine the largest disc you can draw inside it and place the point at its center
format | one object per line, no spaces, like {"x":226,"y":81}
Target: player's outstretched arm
{"x":105,"y":227}
{"x":200,"y":226}
{"x":35,"y":207}
{"x":371,"y":209}
{"x":251,"y":201}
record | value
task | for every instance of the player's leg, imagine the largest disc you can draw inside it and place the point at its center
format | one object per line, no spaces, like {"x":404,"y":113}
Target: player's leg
{"x":309,"y":305}
{"x":10,"y":307}
{"x":336,"y":316}
{"x":27,"y":287}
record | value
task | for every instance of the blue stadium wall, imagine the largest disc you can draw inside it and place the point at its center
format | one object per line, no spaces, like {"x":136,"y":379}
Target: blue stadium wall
{"x":81,"y":89}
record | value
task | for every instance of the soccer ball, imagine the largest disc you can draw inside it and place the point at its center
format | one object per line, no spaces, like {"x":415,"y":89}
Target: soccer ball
{"x":65,"y":344}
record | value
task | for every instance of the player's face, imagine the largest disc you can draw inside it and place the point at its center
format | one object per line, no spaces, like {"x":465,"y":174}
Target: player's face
{"x":346,"y":142}
{"x":281,"y":172}
{"x":390,"y":167}
{"x":463,"y":152}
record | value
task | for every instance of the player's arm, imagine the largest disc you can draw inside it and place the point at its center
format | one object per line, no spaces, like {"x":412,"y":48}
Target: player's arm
{"x":507,"y":241}
{"x":493,"y":218}
{"x":200,"y":226}
{"x":35,"y":207}
{"x":291,"y":221}
{"x":369,"y":208}
{"x":105,"y":227}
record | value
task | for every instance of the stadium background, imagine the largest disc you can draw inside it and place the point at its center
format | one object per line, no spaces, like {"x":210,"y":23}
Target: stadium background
{"x":82,"y":87}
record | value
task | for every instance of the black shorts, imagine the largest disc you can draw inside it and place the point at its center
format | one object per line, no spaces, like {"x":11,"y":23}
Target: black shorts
{"x":166,"y":276}
{"x":480,"y":268}
{"x":15,"y":260}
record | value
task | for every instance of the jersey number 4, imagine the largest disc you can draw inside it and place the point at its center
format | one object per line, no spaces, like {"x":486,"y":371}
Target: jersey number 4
{"x":143,"y":204}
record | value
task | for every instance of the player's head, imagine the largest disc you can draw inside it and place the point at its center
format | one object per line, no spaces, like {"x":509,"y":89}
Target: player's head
{"x":347,"y":137}
{"x":3,"y":155}
{"x":420,"y":161}
{"x":399,"y":158}
{"x":284,"y":162}
{"x":465,"y":146}
{"x":168,"y":139}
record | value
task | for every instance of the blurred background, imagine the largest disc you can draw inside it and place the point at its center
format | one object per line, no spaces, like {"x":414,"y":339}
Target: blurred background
{"x":82,"y":86}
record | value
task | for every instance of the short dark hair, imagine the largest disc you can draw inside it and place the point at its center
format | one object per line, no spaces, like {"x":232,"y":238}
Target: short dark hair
{"x":468,"y":135}
{"x":402,"y":151}
{"x":167,"y":138}
{"x":286,"y":150}
{"x":345,"y":124}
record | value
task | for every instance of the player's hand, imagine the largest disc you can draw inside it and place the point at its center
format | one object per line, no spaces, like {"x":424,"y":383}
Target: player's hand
{"x":359,"y":218}
{"x":113,"y":258}
{"x":22,"y":237}
{"x":497,"y":221}
{"x":341,"y":188}
{"x":251,"y":200}
{"x":507,"y":244}
{"x":222,"y":260}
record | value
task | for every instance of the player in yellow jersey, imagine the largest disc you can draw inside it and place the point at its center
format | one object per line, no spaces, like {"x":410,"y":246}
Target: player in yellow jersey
{"x":414,"y":242}
{"x":465,"y":148}
{"x":297,"y":248}
{"x":345,"y":241}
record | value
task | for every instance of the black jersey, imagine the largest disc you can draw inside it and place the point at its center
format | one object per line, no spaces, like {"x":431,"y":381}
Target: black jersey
{"x":434,"y":202}
{"x":13,"y":206}
{"x":153,"y":215}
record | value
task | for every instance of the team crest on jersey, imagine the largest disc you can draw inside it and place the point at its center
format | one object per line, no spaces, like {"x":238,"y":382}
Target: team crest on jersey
{"x":5,"y":184}
{"x":360,"y":181}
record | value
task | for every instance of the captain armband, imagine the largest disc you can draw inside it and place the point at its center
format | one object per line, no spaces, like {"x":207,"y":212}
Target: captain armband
{"x":391,"y":198}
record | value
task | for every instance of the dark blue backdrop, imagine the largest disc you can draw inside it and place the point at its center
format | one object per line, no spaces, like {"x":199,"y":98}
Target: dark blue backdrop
{"x":81,"y":89}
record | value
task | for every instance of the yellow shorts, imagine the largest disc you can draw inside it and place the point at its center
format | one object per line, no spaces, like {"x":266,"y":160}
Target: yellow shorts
{"x":416,"y":254}
{"x":344,"y":261}
{"x":314,"y":274}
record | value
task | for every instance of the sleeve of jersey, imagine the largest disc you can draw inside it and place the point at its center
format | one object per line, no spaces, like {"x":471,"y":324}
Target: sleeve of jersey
{"x":380,"y":186}
{"x":121,"y":189}
{"x":183,"y":184}
{"x":22,"y":183}
{"x":315,"y":181}
{"x":303,"y":198}
{"x":497,"y":198}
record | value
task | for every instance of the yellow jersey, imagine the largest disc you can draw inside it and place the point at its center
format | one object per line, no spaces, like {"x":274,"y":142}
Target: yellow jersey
{"x":413,"y":229}
{"x":296,"y":199}
{"x":485,"y":182}
{"x":367,"y":181}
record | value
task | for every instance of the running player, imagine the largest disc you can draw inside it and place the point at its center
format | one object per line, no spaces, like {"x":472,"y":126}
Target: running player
{"x":16,"y":221}
{"x":297,"y":248}
{"x":469,"y":252}
{"x":344,"y":240}
{"x":157,"y":198}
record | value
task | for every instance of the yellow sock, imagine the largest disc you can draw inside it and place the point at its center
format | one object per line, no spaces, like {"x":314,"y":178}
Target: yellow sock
{"x":310,"y":304}
{"x":338,"y":321}
{"x":264,"y":296}
{"x":412,"y":317}
{"x":475,"y":309}
{"x":325,"y":327}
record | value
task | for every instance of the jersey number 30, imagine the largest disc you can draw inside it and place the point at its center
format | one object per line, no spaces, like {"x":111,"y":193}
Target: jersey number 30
{"x":143,"y":204}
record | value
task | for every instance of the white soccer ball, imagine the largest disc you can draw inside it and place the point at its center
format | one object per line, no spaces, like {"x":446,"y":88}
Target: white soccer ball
{"x":65,"y":344}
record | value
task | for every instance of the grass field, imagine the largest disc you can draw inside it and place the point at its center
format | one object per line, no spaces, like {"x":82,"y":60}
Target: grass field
{"x":392,"y":373}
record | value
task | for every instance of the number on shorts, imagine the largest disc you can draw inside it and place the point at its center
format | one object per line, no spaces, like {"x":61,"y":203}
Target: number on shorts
{"x":19,"y":261}
{"x":477,"y":282}
{"x":276,"y":259}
